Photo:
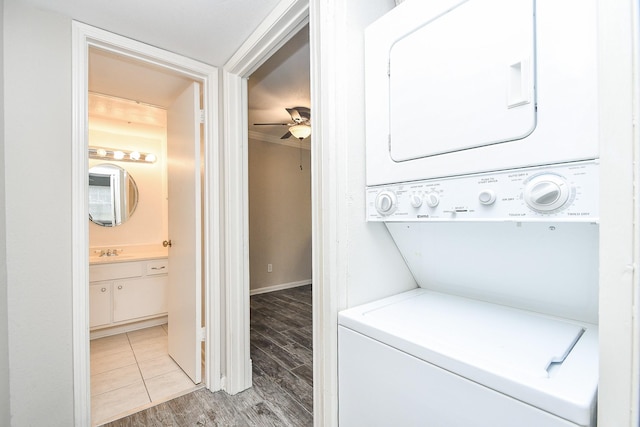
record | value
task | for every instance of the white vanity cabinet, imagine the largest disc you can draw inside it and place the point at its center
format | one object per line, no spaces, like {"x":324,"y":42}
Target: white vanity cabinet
{"x":99,"y":304}
{"x":125,"y":292}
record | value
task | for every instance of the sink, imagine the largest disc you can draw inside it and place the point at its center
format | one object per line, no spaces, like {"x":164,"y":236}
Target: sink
{"x":112,"y":258}
{"x":97,"y":259}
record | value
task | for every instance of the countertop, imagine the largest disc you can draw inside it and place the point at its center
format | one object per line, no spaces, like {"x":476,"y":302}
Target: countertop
{"x":126,"y":257}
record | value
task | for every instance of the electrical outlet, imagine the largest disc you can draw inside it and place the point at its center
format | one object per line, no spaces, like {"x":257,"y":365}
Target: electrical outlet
{"x":269,"y":268}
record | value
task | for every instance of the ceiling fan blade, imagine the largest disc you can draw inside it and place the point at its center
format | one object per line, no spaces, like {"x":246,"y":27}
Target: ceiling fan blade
{"x":299,"y":114}
{"x":286,"y":135}
{"x":295,"y":115}
{"x":272,"y":124}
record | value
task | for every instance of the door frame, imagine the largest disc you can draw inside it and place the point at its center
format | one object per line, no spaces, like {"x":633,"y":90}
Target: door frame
{"x":287,"y":18}
{"x":84,"y":37}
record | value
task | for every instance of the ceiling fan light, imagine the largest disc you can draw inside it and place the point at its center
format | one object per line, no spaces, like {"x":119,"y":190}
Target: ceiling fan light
{"x":300,"y":131}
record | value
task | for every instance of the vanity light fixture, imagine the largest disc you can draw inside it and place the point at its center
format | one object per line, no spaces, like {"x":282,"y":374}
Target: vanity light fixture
{"x":121,"y":155}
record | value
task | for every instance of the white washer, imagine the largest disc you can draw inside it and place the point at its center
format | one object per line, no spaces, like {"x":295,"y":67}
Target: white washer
{"x":424,"y":358}
{"x":482,"y":161}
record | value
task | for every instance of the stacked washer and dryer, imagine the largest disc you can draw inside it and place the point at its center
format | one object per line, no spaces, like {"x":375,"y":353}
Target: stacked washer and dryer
{"x":482,"y":162}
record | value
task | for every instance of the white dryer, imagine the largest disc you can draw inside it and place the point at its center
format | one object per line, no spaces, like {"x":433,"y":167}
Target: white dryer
{"x":464,"y":86}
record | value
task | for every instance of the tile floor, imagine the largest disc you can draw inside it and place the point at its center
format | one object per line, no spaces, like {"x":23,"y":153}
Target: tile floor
{"x":132,"y":371}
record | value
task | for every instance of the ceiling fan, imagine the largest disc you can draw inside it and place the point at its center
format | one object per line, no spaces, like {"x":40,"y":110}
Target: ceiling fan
{"x":301,"y":126}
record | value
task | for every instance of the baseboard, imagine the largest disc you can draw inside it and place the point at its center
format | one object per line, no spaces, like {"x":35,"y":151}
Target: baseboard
{"x":279,"y":287}
{"x":114,"y":330}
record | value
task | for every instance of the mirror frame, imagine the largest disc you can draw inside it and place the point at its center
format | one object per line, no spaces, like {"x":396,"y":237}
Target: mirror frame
{"x":123,"y":195}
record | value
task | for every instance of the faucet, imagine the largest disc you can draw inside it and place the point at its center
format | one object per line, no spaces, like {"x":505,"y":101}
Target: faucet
{"x":109,"y":252}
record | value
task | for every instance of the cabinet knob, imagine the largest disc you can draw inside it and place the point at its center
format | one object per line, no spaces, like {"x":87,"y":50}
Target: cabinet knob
{"x":103,"y":290}
{"x":119,"y":286}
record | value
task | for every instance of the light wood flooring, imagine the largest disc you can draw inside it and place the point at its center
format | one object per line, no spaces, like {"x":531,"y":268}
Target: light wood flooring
{"x":282,"y":392}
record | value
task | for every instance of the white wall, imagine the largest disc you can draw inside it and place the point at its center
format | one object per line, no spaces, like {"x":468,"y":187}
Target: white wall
{"x":374,"y":267}
{"x":4,"y":344}
{"x":619,"y":99}
{"x":279,"y":215}
{"x":37,"y":105}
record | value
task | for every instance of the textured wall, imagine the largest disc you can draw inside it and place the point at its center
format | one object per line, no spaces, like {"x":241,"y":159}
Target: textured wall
{"x":279,"y":214}
{"x":4,"y":343}
{"x":37,"y":150}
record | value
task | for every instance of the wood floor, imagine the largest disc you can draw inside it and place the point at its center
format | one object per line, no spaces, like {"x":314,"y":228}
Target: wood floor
{"x":282,"y":392}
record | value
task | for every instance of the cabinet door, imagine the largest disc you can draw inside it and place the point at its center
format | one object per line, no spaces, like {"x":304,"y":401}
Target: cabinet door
{"x":99,"y":304}
{"x":138,"y":298}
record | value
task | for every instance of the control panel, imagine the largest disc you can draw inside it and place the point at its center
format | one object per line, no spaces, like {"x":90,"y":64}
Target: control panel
{"x":567,"y":192}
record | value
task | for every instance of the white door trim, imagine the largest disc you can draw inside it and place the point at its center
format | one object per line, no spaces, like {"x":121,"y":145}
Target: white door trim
{"x":288,"y":17}
{"x":83,"y":37}
{"x":329,"y":53}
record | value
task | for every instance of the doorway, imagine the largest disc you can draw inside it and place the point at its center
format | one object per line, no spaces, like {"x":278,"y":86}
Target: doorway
{"x":201,"y":83}
{"x":140,"y":129}
{"x":279,"y":192}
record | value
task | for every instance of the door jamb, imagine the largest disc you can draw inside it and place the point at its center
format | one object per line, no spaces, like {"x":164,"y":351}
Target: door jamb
{"x":83,"y":37}
{"x":288,"y":17}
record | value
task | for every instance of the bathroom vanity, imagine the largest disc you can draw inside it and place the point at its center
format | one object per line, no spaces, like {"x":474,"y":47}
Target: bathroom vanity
{"x":127,"y":294}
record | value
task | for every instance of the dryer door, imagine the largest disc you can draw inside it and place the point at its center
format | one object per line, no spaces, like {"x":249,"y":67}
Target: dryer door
{"x":465,"y":79}
{"x":455,"y":87}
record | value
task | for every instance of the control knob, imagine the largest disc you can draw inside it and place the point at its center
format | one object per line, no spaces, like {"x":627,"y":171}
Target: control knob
{"x":487,"y":197}
{"x":433,"y":199}
{"x":546,"y":192}
{"x":416,"y":200}
{"x":386,"y":202}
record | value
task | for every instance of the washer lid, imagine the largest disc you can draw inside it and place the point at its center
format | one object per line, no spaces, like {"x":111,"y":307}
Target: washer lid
{"x":546,"y":362}
{"x":480,"y":333}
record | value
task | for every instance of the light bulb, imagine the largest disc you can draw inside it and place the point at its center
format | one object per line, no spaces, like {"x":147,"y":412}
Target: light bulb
{"x":134,"y":155}
{"x":101,"y":152}
{"x":150,"y":158}
{"x":118,"y":155}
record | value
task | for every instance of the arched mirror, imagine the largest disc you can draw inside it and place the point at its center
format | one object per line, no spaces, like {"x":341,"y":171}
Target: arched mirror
{"x":113,"y":195}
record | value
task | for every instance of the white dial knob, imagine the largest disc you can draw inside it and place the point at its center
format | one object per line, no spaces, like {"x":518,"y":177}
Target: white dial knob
{"x":432,"y":199}
{"x":416,"y":200}
{"x":546,"y":192}
{"x":386,"y":202}
{"x":487,"y":197}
